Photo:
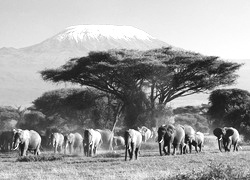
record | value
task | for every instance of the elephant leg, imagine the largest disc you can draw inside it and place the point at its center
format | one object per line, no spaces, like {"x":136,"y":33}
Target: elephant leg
{"x":164,"y":149}
{"x":54,"y":149}
{"x":59,"y":148}
{"x":174,"y":149}
{"x":25,"y":152}
{"x":70,"y":148}
{"x":136,"y":153}
{"x":132,"y":151}
{"x":169,"y":149}
{"x":181,"y":149}
{"x":190,"y":147}
{"x":184,"y":149}
{"x":95,"y":150}
{"x":126,"y":152}
{"x":200,"y":147}
{"x":196,"y":148}
{"x":22,"y":152}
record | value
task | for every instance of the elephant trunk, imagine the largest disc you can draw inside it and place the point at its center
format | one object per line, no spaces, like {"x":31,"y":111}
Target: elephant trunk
{"x":160,"y":148}
{"x":126,"y":152}
{"x":219,"y":144}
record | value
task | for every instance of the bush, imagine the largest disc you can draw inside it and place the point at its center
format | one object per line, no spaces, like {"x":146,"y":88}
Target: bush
{"x":218,"y":172}
{"x":33,"y":158}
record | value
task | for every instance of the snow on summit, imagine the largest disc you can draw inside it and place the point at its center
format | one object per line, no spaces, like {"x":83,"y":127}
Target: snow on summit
{"x":84,"y":32}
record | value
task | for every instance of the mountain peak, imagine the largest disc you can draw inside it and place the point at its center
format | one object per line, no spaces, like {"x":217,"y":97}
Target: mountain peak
{"x":81,"y":33}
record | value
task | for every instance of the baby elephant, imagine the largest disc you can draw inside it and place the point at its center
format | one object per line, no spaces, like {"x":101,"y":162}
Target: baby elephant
{"x":198,"y":141}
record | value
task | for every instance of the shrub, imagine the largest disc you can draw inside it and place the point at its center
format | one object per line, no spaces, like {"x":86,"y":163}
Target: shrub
{"x":108,"y":155}
{"x":218,"y":172}
{"x":32,"y":158}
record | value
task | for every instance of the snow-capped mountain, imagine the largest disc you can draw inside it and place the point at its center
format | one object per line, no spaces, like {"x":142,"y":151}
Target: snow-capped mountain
{"x":19,"y":68}
{"x":84,"y":38}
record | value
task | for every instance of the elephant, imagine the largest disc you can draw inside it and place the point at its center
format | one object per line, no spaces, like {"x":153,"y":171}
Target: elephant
{"x":228,"y":136}
{"x":26,"y":140}
{"x":6,"y":140}
{"x":118,"y":141}
{"x":133,"y":141}
{"x":74,"y":142}
{"x":146,"y":133}
{"x":107,"y":138}
{"x":57,"y":140}
{"x":92,"y":141}
{"x":198,"y":141}
{"x":189,"y":137}
{"x":171,"y":135}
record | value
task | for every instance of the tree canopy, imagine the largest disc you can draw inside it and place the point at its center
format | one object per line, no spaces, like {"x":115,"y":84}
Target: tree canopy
{"x":161,"y":74}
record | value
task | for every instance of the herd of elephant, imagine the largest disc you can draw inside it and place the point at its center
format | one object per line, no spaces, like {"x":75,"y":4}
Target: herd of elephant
{"x":179,"y":137}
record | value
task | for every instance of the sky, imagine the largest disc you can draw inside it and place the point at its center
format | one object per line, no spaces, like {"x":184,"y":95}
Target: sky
{"x":211,"y":27}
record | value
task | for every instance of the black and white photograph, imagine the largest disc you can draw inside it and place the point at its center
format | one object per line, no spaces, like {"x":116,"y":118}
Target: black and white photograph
{"x":124,"y":90}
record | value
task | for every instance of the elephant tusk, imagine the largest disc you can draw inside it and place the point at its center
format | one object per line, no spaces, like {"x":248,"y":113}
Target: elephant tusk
{"x":161,"y":141}
{"x":16,"y":147}
{"x":220,"y":139}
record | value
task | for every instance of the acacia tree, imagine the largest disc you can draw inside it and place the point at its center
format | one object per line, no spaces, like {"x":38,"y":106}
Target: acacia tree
{"x":128,"y":74}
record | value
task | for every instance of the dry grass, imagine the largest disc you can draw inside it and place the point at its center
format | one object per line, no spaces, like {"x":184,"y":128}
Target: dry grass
{"x":108,"y":166}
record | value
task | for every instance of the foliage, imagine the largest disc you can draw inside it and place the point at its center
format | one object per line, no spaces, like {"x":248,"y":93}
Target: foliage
{"x":32,"y":158}
{"x":127,"y":74}
{"x":84,"y":107}
{"x":162,"y":115}
{"x":7,"y":113}
{"x":8,"y":118}
{"x":195,"y":120}
{"x":34,"y":120}
{"x":188,"y":109}
{"x":218,"y":172}
{"x":194,"y":116}
{"x":230,"y":107}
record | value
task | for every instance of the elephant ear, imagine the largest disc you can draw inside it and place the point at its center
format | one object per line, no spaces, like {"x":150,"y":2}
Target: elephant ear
{"x":229,"y":132}
{"x":171,"y":129}
{"x":139,"y":129}
{"x":218,"y":132}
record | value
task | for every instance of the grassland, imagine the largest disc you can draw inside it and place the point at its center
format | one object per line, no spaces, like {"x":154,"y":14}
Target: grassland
{"x":205,"y":165}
